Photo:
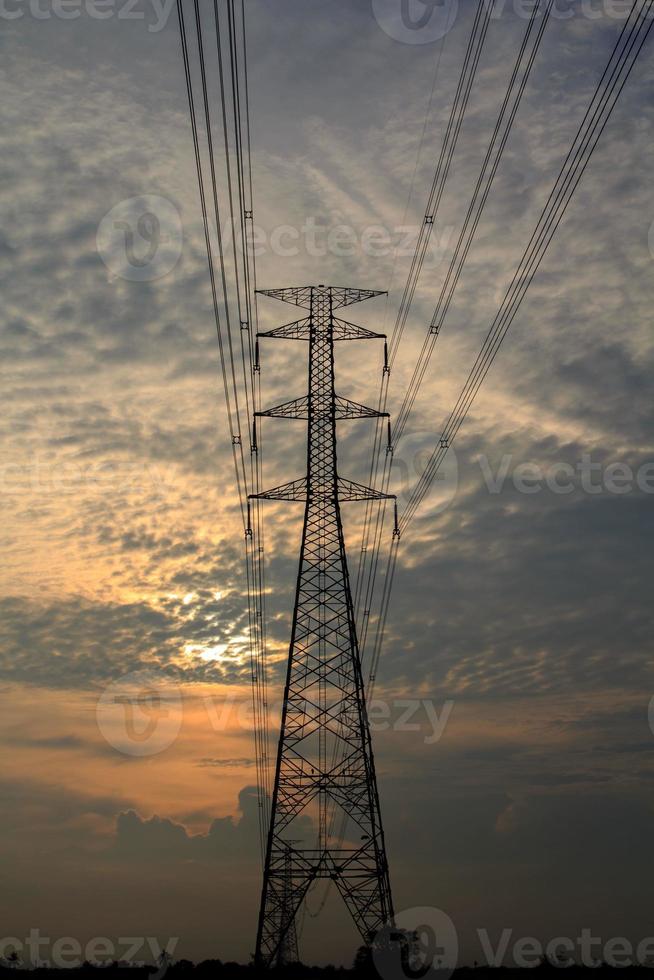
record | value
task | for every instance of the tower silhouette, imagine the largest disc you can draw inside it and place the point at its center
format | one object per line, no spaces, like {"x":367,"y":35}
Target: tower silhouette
{"x":288,"y":947}
{"x":325,"y":768}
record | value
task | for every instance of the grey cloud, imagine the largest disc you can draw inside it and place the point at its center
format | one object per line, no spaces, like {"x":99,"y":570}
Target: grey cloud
{"x":156,"y":838}
{"x":80,"y":643}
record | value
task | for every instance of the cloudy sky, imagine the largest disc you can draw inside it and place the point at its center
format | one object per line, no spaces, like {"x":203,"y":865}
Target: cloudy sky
{"x":525,"y":615}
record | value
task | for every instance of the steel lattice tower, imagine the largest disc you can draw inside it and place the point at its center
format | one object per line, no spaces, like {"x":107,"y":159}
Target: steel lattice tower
{"x":325,"y":767}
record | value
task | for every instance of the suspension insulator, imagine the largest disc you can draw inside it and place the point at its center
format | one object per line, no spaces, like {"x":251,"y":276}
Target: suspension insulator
{"x":257,"y":365}
{"x":396,"y":528}
{"x":387,"y":369}
{"x":254,"y":447}
{"x":389,"y":444}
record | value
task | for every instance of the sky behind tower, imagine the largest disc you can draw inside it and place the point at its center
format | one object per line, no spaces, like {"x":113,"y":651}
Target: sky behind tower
{"x":518,"y":791}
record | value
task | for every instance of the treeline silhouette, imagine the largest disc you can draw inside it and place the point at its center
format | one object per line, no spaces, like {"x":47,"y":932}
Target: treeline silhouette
{"x":362,"y":968}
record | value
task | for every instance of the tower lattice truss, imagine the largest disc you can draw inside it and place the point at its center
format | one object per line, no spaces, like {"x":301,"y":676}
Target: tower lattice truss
{"x":325,"y":817}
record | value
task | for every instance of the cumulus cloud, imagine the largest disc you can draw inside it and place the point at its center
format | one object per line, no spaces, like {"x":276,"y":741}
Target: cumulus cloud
{"x":158,"y":837}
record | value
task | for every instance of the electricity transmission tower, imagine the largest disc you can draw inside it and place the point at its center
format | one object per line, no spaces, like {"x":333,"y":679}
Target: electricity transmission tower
{"x":325,"y":773}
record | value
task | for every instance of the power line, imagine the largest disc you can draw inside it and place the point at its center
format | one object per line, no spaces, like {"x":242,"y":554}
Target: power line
{"x":253,"y":549}
{"x":230,"y":397}
{"x":508,"y":111}
{"x":465,"y":82}
{"x":415,"y":168}
{"x":503,"y":127}
{"x":242,"y":148}
{"x":450,"y":140}
{"x":618,"y":69}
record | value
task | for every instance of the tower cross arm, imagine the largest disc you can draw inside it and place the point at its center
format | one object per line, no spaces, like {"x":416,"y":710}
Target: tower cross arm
{"x":341,"y":330}
{"x":338,"y":295}
{"x":349,"y":490}
{"x":296,"y":490}
{"x":297,"y":408}
{"x":344,"y":408}
{"x":297,"y":330}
